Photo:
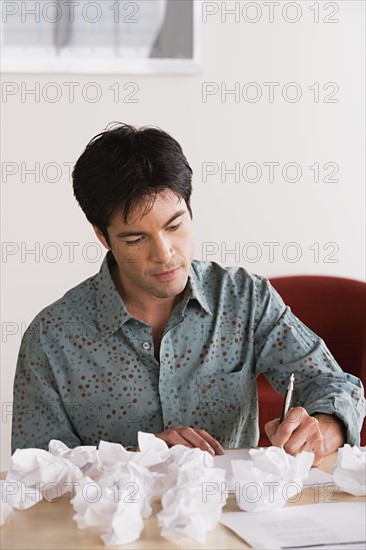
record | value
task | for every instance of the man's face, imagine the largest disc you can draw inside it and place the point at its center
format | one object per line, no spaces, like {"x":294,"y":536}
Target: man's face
{"x":154,"y":250}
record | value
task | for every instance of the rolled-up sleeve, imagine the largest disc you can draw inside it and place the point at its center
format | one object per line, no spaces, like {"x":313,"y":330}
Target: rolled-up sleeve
{"x":283,"y":344}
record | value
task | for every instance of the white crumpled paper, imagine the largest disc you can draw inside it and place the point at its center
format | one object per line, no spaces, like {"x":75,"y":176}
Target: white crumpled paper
{"x":349,"y":473}
{"x":113,"y":488}
{"x":118,"y":499}
{"x":114,"y":506}
{"x":35,"y":474}
{"x":270,"y":479}
{"x":186,"y":512}
{"x":85,"y":457}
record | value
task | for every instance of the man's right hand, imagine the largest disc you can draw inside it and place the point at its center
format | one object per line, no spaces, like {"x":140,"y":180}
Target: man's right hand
{"x":191,"y":437}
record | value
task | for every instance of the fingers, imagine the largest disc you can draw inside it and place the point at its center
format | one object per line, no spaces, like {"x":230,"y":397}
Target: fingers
{"x":271,"y":428}
{"x":172,"y":437}
{"x":194,"y":439}
{"x":211,"y":441}
{"x":190,"y":437}
{"x":314,"y":441}
{"x":286,"y":428}
{"x":298,"y":432}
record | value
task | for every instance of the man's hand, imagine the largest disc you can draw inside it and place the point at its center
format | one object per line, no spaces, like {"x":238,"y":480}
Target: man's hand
{"x":191,"y":437}
{"x":322,"y":434}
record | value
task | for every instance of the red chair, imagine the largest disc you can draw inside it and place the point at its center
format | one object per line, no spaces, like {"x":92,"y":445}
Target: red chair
{"x":335,"y":309}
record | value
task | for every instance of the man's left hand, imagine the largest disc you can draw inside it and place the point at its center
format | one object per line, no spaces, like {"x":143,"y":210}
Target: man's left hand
{"x":321,"y":433}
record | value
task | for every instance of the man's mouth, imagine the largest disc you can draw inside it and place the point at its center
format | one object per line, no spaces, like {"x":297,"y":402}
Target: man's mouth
{"x":167,"y":275}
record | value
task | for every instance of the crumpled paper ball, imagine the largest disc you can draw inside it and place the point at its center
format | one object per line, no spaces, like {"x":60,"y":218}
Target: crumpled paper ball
{"x":85,"y":457}
{"x":186,"y":512}
{"x":115,"y":504}
{"x":270,"y":478}
{"x":39,"y":474}
{"x":349,"y":473}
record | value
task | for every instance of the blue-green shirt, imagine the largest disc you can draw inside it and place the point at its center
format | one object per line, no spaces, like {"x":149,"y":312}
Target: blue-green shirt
{"x":86,"y":368}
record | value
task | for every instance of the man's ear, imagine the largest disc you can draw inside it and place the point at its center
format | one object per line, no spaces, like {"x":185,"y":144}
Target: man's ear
{"x":101,"y":237}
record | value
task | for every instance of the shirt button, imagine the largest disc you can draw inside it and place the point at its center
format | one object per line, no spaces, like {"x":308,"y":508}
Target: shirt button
{"x":146,"y":345}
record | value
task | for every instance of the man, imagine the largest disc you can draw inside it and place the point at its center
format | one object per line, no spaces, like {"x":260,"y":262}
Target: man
{"x":162,"y":343}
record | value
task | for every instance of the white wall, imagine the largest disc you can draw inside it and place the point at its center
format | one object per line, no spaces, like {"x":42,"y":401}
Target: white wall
{"x":215,"y":131}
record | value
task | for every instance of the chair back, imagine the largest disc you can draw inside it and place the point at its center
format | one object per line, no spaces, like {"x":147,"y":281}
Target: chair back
{"x":335,"y":309}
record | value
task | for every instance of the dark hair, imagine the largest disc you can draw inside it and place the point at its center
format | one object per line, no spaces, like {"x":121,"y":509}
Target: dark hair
{"x":124,"y":166}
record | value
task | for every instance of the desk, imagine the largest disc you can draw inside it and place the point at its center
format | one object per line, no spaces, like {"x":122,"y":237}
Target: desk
{"x":49,"y":525}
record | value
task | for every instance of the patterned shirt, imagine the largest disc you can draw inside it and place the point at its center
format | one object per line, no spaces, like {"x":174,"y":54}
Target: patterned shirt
{"x":86,"y":368}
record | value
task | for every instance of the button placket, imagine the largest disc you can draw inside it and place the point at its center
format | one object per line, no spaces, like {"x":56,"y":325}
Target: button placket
{"x":168,"y":384}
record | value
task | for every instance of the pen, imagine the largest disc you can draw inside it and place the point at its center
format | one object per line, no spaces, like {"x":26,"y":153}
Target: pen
{"x":288,"y":399}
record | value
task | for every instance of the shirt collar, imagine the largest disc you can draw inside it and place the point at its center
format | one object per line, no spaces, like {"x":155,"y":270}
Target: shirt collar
{"x":111,"y":310}
{"x":195,"y":289}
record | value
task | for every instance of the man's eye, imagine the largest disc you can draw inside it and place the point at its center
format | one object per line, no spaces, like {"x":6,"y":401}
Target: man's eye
{"x":175,"y":227}
{"x":140,"y":239}
{"x":132,"y":243}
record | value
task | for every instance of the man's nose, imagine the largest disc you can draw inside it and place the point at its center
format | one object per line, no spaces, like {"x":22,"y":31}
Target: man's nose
{"x":162,"y":250}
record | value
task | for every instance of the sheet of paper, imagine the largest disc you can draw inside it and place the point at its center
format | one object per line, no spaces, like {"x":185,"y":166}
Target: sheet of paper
{"x":224,"y":461}
{"x":310,"y":526}
{"x":316,"y":476}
